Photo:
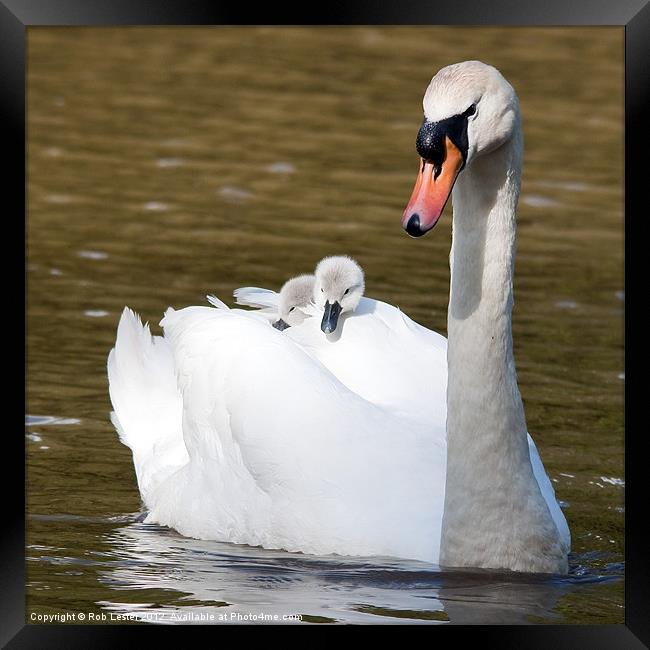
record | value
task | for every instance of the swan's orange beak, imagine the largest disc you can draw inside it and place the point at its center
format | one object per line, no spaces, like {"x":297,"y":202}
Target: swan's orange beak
{"x":432,"y":189}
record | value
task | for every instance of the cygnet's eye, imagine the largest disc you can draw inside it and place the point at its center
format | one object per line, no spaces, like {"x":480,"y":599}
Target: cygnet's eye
{"x":322,"y":290}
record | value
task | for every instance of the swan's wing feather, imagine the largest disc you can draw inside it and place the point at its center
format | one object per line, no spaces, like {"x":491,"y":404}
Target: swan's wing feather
{"x":256,"y":297}
{"x":216,"y":302}
{"x":384,"y":356}
{"x":400,"y":323}
{"x":548,"y":493}
{"x":326,"y":445}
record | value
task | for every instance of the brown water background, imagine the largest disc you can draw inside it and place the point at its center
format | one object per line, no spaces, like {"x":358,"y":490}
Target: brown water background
{"x":167,"y":163}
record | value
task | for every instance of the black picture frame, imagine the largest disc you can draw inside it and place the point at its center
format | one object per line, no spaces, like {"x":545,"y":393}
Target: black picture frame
{"x":634,"y":15}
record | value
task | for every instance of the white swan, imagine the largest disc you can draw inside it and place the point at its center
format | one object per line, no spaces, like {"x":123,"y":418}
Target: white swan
{"x":338,"y":287}
{"x":264,"y":441}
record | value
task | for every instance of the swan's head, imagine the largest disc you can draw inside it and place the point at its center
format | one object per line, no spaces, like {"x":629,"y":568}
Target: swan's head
{"x":295,"y":294}
{"x":338,"y":288}
{"x":469,"y":110}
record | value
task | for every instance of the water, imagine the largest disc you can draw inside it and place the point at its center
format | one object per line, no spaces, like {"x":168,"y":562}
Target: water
{"x":168,"y":163}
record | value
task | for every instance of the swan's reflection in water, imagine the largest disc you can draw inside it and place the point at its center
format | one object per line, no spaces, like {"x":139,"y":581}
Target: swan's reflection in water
{"x":204,"y":581}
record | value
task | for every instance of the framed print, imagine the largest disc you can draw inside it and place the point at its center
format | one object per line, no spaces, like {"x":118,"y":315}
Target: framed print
{"x":255,"y":392}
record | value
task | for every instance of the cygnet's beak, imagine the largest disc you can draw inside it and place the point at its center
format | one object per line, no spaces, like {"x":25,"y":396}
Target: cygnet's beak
{"x":330,"y":317}
{"x":280,"y":325}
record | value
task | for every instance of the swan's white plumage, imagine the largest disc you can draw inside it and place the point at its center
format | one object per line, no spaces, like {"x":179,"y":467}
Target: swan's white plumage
{"x":217,"y":302}
{"x":333,"y":473}
{"x":257,"y":297}
{"x":147,"y":402}
{"x":384,"y":356}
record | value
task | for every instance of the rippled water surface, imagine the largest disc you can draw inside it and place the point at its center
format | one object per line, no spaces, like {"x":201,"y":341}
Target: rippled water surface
{"x":164,"y":164}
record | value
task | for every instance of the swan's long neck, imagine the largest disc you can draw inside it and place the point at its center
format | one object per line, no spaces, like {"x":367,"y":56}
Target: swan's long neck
{"x":493,"y":505}
{"x":483,"y":394}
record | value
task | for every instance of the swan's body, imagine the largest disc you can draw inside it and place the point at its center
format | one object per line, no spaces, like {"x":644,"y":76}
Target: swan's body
{"x":337,"y":444}
{"x":357,"y":430}
{"x":311,"y":477}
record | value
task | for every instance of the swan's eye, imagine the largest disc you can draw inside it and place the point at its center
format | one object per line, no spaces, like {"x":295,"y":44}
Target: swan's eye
{"x":292,"y":309}
{"x":346,"y":292}
{"x":471,"y":110}
{"x":322,"y":290}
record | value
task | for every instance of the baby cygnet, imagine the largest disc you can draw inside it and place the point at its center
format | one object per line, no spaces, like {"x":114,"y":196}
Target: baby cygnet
{"x":338,"y":289}
{"x":284,"y":309}
{"x":295,"y":294}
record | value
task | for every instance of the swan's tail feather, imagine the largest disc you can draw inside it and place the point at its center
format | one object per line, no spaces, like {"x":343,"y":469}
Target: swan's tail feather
{"x":115,"y":421}
{"x":256,"y":297}
{"x":147,"y":404}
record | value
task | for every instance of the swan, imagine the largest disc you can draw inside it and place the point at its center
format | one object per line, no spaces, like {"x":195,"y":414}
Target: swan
{"x":338,"y":287}
{"x":471,"y":145}
{"x":284,"y":309}
{"x":244,"y":434}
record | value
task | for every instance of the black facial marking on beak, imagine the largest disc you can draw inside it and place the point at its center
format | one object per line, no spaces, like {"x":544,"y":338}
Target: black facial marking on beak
{"x":280,"y":325}
{"x":330,"y":317}
{"x":430,"y":142}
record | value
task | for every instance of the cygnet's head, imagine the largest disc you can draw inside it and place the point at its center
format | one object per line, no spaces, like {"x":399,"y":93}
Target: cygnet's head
{"x":469,"y":110}
{"x":295,"y":294}
{"x":338,"y":288}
